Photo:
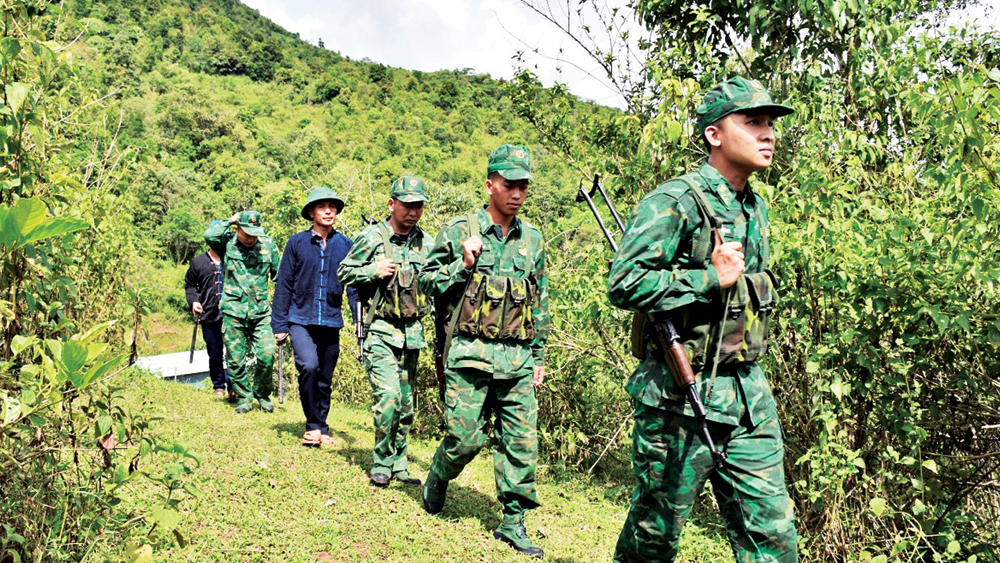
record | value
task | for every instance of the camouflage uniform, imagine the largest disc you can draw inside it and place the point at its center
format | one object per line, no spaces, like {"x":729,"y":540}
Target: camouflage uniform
{"x":246,"y":307}
{"x":491,"y":376}
{"x":393,"y":346}
{"x":656,"y":271}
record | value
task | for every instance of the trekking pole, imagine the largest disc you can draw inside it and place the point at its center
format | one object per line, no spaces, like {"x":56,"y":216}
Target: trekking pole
{"x":666,"y":334}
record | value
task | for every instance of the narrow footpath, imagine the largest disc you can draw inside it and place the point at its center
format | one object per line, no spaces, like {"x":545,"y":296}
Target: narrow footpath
{"x":266,"y":498}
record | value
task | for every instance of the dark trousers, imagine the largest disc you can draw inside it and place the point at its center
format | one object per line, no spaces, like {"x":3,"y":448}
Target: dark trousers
{"x":316,"y":351}
{"x":212,"y":334}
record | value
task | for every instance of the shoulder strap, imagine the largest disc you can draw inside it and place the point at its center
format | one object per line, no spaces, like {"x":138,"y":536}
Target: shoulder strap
{"x":701,"y":249}
{"x":473,"y":221}
{"x":764,"y":245}
{"x":383,"y":229}
{"x":527,"y":247}
{"x":380,"y":292}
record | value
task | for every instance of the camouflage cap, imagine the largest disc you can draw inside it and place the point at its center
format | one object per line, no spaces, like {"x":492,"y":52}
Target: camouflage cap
{"x":736,"y":95}
{"x":250,"y":222}
{"x":409,"y":189}
{"x":321,"y":194}
{"x":513,"y":162}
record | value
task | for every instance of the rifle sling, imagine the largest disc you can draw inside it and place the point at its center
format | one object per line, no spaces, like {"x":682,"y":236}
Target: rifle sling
{"x":380,"y":292}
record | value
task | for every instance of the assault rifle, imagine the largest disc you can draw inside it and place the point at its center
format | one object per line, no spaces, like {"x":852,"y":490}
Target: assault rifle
{"x":281,"y":371}
{"x":360,"y":330}
{"x":663,"y":330}
{"x":440,"y":314}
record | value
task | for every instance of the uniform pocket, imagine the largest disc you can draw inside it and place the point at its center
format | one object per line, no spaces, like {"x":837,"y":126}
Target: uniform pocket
{"x":731,"y":350}
{"x":517,"y":321}
{"x":763,"y":297}
{"x":493,"y":306}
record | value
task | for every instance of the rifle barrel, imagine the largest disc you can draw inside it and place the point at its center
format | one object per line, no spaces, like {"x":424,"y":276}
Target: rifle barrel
{"x":607,"y":200}
{"x":593,"y":209}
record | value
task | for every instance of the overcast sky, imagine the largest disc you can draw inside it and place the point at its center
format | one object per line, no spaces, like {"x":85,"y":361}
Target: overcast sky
{"x":483,"y":35}
{"x":431,"y":35}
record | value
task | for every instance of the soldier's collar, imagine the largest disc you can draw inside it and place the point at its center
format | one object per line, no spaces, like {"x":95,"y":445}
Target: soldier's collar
{"x":486,"y":224}
{"x":718,"y":185}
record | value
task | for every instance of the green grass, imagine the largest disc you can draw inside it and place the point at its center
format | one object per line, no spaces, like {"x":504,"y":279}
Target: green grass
{"x":267,"y":498}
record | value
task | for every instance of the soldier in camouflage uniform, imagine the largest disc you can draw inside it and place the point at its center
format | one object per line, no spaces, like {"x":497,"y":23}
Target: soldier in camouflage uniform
{"x":695,"y":251}
{"x":489,"y":266}
{"x":382,"y":264}
{"x":249,"y":260}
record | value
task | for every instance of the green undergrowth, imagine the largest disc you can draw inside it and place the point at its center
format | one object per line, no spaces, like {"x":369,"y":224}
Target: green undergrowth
{"x":267,"y":498}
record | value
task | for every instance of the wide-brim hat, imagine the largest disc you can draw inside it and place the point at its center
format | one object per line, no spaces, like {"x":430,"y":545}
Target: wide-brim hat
{"x":736,"y":95}
{"x":321,"y":194}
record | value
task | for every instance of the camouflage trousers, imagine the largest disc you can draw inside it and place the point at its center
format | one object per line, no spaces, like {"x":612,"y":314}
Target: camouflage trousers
{"x":472,"y":397}
{"x":390,"y":371}
{"x":672,"y":464}
{"x":250,"y":349}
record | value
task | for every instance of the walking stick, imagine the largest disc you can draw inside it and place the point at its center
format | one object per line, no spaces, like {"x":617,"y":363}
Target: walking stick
{"x":194,"y":338}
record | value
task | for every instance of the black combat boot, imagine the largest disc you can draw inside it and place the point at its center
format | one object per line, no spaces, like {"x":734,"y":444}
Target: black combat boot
{"x":512,"y":533}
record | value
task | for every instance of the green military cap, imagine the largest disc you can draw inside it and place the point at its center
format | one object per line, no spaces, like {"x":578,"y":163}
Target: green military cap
{"x":513,"y":162}
{"x":409,"y":189}
{"x":321,"y":194}
{"x":250,"y":221}
{"x":736,"y":95}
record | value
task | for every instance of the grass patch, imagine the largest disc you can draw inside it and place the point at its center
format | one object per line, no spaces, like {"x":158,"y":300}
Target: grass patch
{"x":267,"y":498}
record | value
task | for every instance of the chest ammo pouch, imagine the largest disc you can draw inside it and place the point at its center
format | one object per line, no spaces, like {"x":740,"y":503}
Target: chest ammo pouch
{"x":398,"y":298}
{"x":497,"y":307}
{"x":743,"y":327}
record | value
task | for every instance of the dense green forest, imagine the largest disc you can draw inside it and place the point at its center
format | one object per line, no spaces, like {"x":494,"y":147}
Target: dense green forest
{"x":126,"y":126}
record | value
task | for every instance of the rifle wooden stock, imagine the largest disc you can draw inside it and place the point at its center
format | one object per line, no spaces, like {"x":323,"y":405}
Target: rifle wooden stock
{"x":680,"y":367}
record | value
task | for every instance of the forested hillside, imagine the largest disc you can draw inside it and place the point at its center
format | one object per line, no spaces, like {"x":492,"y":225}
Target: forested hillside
{"x":228,"y":111}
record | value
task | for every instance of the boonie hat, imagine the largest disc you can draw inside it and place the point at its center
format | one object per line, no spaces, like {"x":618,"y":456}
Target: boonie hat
{"x":250,"y":222}
{"x":513,"y":162}
{"x":736,"y":95}
{"x":409,"y":189}
{"x":319,"y":194}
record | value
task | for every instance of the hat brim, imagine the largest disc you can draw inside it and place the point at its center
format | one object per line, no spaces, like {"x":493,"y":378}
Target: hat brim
{"x":410,"y":198}
{"x":515,"y":174}
{"x":253,"y":231}
{"x":336,"y":201}
{"x":774,"y":110}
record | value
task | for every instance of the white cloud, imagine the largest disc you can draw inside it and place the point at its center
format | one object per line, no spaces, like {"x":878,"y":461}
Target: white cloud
{"x":431,"y":35}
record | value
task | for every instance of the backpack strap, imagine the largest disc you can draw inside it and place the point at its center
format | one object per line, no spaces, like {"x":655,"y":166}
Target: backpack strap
{"x":473,"y":220}
{"x":383,"y":229}
{"x":764,"y":246}
{"x":701,"y":248}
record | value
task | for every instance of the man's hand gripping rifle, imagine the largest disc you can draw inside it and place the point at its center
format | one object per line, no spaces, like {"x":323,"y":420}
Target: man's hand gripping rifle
{"x":663,"y":330}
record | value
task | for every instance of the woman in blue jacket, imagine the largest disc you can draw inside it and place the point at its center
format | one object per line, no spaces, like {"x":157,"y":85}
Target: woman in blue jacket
{"x":307,"y":307}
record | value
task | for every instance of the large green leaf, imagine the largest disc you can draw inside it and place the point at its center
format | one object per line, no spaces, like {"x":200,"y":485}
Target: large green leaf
{"x":26,"y":216}
{"x":17,"y":93}
{"x":54,"y":227}
{"x":74,"y":356}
